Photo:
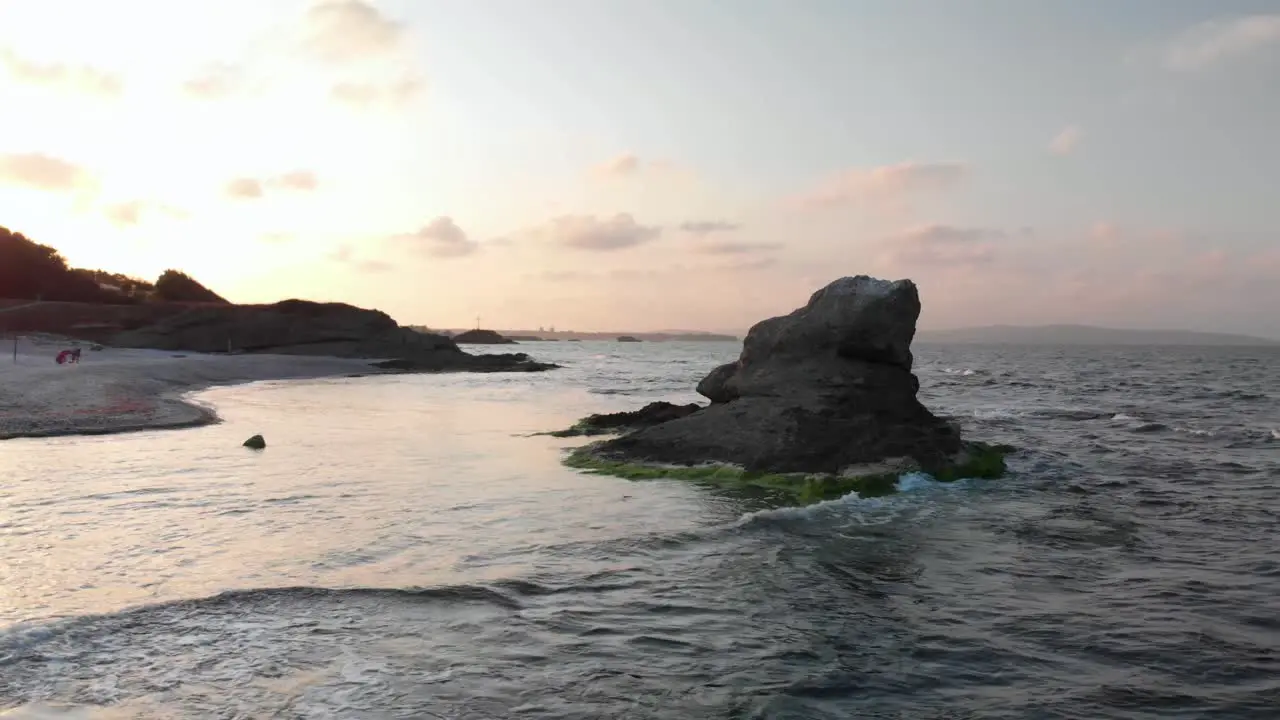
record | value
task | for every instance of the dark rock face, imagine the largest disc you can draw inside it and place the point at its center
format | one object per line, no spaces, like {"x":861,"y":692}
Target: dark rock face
{"x":255,"y":443}
{"x":299,"y":327}
{"x":823,"y":389}
{"x":481,"y":337}
{"x":628,"y":338}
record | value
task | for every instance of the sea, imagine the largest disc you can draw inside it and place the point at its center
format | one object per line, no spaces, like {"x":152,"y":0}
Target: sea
{"x":408,"y":546}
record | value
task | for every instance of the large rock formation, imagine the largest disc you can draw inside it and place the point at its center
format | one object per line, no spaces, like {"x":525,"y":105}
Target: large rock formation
{"x":299,"y":327}
{"x":827,"y":389}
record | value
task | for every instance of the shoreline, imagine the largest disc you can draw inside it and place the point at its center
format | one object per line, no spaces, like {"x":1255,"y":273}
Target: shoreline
{"x":115,"y":391}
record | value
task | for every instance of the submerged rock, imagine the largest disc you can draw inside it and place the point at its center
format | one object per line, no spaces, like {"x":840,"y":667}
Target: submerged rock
{"x":824,"y":391}
{"x":652,"y":414}
{"x":255,"y":443}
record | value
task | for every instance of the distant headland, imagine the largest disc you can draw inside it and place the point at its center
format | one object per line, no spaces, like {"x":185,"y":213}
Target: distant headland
{"x":1085,"y":335}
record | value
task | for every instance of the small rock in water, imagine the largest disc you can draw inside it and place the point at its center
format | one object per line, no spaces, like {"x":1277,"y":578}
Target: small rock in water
{"x":256,"y":442}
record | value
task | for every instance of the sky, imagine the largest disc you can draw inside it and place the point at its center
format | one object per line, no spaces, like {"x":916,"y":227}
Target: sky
{"x":660,"y":164}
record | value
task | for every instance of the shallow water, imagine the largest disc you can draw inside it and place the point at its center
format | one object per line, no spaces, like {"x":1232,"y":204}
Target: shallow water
{"x":404,"y":548}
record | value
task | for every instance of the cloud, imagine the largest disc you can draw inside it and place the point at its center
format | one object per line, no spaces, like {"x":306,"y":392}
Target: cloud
{"x":345,"y":255}
{"x":560,"y":276}
{"x":343,"y":31}
{"x":251,"y":188}
{"x":942,"y":245}
{"x":126,"y":213}
{"x":623,"y":166}
{"x":441,"y":238}
{"x":746,"y":265}
{"x":42,"y":172}
{"x":131,"y":212}
{"x":880,"y":184}
{"x":1066,"y":140}
{"x":276,"y":238}
{"x":215,"y":82}
{"x":76,"y":78}
{"x":588,"y":232}
{"x":364,"y":95}
{"x":707,"y":227}
{"x":302,"y":180}
{"x":1221,"y":40}
{"x":734,"y":248}
{"x":244,"y":188}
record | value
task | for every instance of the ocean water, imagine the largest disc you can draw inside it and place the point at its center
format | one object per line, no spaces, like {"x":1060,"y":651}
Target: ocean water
{"x":404,"y":548}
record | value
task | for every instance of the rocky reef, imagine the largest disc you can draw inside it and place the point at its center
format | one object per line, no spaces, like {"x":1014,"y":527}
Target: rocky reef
{"x":820,"y":402}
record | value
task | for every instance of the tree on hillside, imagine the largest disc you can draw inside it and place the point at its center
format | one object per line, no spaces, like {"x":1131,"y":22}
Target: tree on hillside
{"x":33,"y":271}
{"x":177,"y":286}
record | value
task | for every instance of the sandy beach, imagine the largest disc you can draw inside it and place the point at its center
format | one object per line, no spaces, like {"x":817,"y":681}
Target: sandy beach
{"x":116,"y":390}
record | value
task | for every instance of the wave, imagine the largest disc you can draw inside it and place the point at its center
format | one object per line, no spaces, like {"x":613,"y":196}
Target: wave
{"x":504,"y":595}
{"x":908,"y":483}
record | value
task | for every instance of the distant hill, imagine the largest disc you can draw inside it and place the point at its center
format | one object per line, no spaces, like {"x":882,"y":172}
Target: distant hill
{"x":1083,"y":335}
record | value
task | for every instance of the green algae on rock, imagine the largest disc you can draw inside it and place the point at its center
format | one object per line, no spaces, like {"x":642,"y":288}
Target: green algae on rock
{"x":979,"y":461}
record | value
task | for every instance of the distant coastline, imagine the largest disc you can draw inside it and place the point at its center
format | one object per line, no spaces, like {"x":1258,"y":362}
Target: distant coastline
{"x":612,"y":336}
{"x":1087,"y":335}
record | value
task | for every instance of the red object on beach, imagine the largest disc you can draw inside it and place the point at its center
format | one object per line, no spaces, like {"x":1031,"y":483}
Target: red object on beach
{"x":63,"y":356}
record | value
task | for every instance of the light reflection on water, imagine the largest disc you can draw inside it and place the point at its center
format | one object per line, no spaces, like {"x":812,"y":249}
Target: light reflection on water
{"x":380,"y":481}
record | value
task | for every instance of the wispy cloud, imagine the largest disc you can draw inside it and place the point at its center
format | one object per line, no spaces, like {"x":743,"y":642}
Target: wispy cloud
{"x":342,"y":31}
{"x":707,"y":227}
{"x":440,"y":238}
{"x":1221,"y":40}
{"x":215,"y":82}
{"x":623,"y":166}
{"x":346,"y":255}
{"x":42,"y":172}
{"x":252,"y":188}
{"x":588,"y":232}
{"x":1064,"y":143}
{"x":302,"y":180}
{"x":366,"y":95}
{"x":734,"y":248}
{"x":244,"y":188}
{"x":133,"y":212}
{"x":76,"y":78}
{"x":942,"y":245}
{"x":860,"y":187}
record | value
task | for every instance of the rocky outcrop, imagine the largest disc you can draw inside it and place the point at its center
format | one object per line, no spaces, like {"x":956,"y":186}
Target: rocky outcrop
{"x":654,"y":413}
{"x":481,"y":337}
{"x":299,"y":327}
{"x":628,"y":338}
{"x":827,"y":389}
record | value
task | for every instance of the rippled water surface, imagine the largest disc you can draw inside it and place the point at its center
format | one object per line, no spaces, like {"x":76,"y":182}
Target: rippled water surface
{"x":405,"y":549}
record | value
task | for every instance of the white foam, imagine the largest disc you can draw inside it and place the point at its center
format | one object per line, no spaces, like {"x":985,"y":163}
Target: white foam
{"x":1121,"y":417}
{"x":908,"y":483}
{"x":1194,"y":431}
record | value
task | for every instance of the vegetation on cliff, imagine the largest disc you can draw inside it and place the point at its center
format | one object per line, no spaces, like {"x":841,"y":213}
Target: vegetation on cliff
{"x":31,"y":271}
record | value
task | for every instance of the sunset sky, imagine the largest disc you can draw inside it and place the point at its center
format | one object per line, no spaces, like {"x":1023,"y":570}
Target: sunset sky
{"x":650,"y":164}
